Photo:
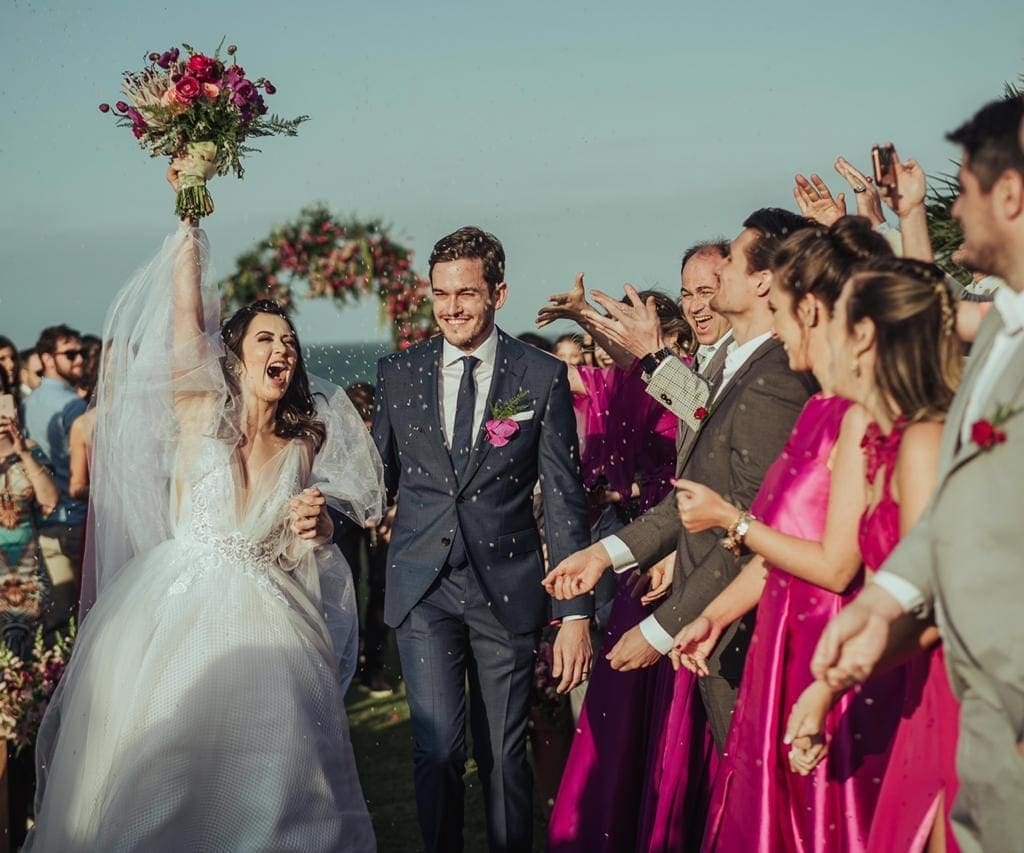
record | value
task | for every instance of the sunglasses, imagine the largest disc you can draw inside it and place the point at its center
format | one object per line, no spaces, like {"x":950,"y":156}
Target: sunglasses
{"x":71,"y":354}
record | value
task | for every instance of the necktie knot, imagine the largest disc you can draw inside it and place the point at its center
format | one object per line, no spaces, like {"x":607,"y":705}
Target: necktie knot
{"x":469,"y":363}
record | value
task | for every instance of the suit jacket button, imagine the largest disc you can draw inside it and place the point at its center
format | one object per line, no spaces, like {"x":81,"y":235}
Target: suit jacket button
{"x":460,"y":500}
{"x":446,"y":541}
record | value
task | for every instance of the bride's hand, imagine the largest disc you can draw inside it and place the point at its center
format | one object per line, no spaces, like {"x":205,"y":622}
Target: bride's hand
{"x":307,"y":514}
{"x":177,"y":165}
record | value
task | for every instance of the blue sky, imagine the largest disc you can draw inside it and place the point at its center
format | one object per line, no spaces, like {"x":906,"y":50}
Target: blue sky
{"x":587,"y":136}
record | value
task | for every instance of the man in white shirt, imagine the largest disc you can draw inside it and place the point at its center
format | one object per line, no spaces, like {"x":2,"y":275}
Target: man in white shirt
{"x":749,"y":414}
{"x":962,"y":565}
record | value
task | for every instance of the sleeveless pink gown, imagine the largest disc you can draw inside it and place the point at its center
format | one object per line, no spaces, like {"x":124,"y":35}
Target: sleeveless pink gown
{"x":758,"y":803}
{"x":923,"y":761}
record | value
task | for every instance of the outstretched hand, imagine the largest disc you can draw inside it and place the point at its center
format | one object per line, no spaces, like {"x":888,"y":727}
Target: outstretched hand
{"x":816,"y":202}
{"x":578,"y":573}
{"x":855,"y":639}
{"x":635,"y":326}
{"x":694,"y":645}
{"x":565,"y":306}
{"x":910,"y":189}
{"x":865,"y":193}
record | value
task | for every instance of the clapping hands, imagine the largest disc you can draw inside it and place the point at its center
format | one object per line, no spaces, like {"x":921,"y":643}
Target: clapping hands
{"x":565,"y":306}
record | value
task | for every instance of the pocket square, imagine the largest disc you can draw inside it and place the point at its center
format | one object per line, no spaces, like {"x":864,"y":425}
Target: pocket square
{"x":522,"y":416}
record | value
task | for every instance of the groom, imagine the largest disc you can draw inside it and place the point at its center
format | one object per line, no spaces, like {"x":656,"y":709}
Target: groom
{"x":465,"y":561}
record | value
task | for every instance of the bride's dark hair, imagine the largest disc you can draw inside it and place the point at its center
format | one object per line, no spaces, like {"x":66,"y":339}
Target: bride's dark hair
{"x":296,"y":411}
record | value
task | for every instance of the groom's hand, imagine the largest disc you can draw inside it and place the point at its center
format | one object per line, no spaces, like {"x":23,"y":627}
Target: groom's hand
{"x":578,"y":573}
{"x":573,"y":654}
{"x":632,"y":651}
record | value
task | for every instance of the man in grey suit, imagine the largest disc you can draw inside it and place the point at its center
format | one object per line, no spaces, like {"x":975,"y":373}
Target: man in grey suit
{"x":465,"y":563}
{"x":963,"y":564}
{"x":749,"y":413}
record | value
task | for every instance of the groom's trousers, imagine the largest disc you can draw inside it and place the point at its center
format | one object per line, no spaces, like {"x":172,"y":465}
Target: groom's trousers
{"x":449,"y":636}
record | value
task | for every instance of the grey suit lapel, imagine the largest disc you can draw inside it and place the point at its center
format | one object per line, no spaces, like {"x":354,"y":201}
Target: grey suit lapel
{"x":1004,"y":393}
{"x":506,"y":381}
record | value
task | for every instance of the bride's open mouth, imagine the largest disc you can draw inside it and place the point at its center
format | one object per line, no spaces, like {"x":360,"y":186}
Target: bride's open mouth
{"x":277,"y":372}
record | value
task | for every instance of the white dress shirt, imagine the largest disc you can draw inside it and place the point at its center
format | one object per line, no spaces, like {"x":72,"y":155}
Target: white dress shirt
{"x":1010,"y":306}
{"x":451,"y":377}
{"x":622,"y":558}
{"x":706,"y":352}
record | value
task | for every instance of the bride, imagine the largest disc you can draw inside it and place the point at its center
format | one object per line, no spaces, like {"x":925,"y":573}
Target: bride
{"x":203,"y":705}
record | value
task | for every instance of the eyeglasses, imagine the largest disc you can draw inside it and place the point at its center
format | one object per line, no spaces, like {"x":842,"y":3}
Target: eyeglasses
{"x":71,"y":354}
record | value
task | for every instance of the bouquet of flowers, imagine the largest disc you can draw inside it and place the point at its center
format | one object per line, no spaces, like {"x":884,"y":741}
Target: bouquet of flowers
{"x":26,"y":687}
{"x":201,"y":109}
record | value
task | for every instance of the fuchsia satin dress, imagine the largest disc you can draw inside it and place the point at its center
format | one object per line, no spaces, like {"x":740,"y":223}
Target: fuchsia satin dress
{"x":758,"y":803}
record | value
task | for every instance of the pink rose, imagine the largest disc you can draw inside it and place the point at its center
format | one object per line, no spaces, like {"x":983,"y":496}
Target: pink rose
{"x":500,"y":432}
{"x":211,"y":91}
{"x":188,"y":89}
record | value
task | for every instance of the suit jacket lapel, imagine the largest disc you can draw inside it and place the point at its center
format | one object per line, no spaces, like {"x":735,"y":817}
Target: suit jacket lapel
{"x":506,"y":380}
{"x":713,"y":374}
{"x":1004,"y":392}
{"x":954,"y":420}
{"x":432,"y":381}
{"x":714,"y":404}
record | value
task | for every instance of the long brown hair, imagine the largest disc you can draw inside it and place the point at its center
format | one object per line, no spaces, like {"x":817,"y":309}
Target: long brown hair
{"x":917,"y":362}
{"x":296,"y":411}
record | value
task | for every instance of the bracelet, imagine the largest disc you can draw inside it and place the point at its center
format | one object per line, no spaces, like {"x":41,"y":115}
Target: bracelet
{"x":737,"y":532}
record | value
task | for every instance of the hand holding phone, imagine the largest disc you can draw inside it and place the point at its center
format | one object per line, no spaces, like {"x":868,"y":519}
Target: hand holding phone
{"x":883,"y":158}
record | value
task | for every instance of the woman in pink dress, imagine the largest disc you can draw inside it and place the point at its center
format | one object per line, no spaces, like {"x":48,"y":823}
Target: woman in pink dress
{"x":808,"y":565}
{"x":894,"y":330}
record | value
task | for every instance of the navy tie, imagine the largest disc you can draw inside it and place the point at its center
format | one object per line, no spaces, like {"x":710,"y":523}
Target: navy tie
{"x":465,"y":408}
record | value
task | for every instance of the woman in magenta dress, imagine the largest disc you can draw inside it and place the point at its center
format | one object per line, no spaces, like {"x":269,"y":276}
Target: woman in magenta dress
{"x":599,"y":798}
{"x":894,"y":326}
{"x":808,"y":564}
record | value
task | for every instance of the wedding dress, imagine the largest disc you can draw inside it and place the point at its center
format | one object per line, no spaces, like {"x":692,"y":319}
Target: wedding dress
{"x":203,"y":705}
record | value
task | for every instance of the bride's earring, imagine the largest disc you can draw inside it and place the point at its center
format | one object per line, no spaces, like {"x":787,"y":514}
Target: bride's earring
{"x":855,"y":367}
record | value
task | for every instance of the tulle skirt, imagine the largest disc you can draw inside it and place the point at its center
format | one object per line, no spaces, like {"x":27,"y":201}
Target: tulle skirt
{"x":202,"y":710}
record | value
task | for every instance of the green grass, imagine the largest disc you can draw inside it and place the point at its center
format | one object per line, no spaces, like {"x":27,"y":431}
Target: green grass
{"x":382,"y":740}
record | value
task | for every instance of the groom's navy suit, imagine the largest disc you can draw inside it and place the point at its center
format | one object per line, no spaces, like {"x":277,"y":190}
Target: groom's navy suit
{"x":479,"y":616}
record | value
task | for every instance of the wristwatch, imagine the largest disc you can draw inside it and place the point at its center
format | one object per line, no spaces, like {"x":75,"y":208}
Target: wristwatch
{"x":650,"y":362}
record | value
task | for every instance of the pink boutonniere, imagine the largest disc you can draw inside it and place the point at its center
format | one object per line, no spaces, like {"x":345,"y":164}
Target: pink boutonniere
{"x":986,"y":432}
{"x":701,"y":413}
{"x":502,"y":427}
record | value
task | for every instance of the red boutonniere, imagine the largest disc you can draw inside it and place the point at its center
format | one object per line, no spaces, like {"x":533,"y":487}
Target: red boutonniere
{"x":701,"y":413}
{"x":986,"y":432}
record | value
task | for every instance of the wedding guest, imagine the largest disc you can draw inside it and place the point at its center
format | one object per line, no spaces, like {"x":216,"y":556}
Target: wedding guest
{"x":620,"y":736}
{"x":745,"y":427}
{"x":27,"y":489}
{"x":969,"y":583}
{"x":92,"y":348}
{"x":569,"y":348}
{"x":49,"y":413}
{"x":535,"y":340}
{"x":10,"y":366}
{"x":31,"y":372}
{"x":804,"y":530}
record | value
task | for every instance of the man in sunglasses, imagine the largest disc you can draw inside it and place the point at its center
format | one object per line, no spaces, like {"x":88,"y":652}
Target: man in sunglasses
{"x":49,"y":412}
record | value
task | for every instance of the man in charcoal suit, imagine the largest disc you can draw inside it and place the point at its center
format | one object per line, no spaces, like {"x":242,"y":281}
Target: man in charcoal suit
{"x":741,"y":423}
{"x":465,"y":563}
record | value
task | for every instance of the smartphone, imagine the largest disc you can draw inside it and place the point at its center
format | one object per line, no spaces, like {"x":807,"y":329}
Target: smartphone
{"x":7,"y":406}
{"x":883,"y":158}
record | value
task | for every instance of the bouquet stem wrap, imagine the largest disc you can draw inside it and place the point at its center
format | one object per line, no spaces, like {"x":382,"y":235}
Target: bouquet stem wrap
{"x":194,"y":201}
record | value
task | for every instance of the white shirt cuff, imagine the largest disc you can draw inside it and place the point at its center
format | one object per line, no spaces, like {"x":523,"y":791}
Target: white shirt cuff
{"x":906,"y":594}
{"x":657,"y":636}
{"x":622,"y":558}
{"x":574,"y":618}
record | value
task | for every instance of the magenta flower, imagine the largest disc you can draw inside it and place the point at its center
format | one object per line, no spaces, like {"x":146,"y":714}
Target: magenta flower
{"x":499,"y":433}
{"x":121,"y":107}
{"x":104,"y":108}
{"x":269,"y":88}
